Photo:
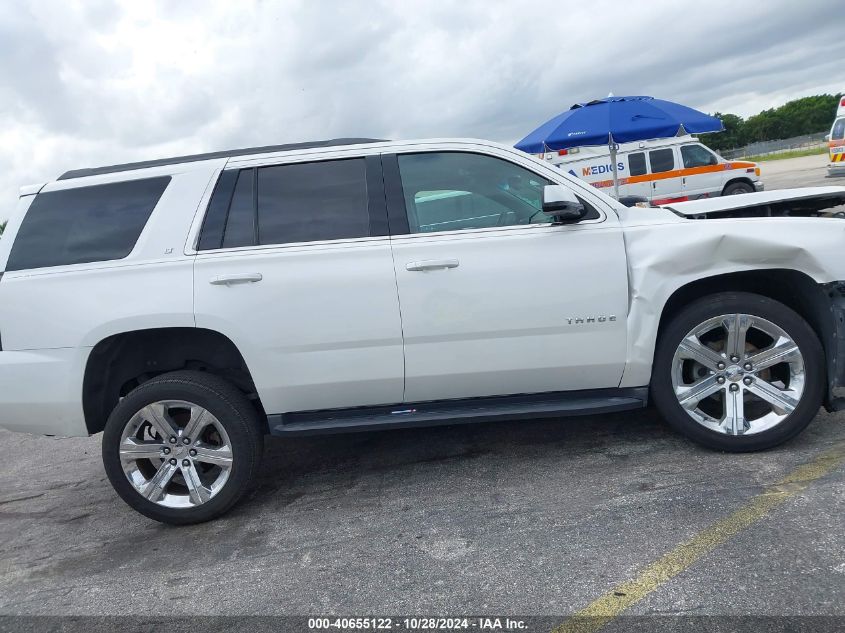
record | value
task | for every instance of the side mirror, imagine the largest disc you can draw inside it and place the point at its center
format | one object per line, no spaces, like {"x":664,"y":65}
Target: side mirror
{"x":826,"y":138}
{"x":560,"y":203}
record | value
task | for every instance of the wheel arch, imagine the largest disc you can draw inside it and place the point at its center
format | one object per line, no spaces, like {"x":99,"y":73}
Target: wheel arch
{"x":120,"y":362}
{"x":793,"y":288}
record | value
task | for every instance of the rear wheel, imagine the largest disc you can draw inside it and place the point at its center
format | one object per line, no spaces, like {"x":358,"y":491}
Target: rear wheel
{"x":183,"y":447}
{"x":736,"y":188}
{"x":738,"y":372}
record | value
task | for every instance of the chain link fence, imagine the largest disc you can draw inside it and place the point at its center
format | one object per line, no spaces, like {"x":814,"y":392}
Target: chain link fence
{"x":807,"y":141}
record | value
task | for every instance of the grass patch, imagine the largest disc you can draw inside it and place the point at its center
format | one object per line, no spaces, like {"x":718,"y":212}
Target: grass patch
{"x":791,"y":153}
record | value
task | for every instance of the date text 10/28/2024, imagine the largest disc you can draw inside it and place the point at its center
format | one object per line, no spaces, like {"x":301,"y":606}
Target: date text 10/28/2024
{"x":415,"y":624}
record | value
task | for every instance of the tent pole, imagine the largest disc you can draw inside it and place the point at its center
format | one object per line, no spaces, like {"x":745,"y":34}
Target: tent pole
{"x":615,"y":171}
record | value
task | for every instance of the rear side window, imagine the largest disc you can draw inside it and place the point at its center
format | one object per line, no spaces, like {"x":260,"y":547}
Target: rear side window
{"x":85,"y":224}
{"x":300,"y":202}
{"x":661,"y":160}
{"x":636,"y":164}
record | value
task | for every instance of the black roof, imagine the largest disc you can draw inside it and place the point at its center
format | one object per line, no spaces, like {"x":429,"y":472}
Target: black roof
{"x":96,"y":171}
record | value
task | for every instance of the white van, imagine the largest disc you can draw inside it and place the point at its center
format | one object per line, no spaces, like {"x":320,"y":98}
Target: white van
{"x":661,"y":170}
{"x":836,"y":142}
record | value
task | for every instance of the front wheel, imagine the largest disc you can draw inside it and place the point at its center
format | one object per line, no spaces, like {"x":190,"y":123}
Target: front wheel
{"x":737,"y":188}
{"x":738,"y":372}
{"x":183,"y":447}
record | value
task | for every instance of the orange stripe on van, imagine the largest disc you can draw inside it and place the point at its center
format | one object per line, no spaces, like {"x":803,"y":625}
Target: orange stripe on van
{"x":679,"y":173}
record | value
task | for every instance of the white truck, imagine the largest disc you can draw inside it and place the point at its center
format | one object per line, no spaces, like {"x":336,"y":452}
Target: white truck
{"x":660,"y":170}
{"x":836,"y":142}
{"x":188,"y":307}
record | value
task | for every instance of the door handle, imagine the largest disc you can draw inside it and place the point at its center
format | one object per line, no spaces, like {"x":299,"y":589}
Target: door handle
{"x":236,"y":278}
{"x":432,"y":264}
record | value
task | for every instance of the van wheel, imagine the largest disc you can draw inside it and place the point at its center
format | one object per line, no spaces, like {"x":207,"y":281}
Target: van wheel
{"x":183,"y":447}
{"x":737,"y":188}
{"x":738,"y":372}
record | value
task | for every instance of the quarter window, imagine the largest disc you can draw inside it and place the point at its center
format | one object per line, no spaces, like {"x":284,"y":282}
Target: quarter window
{"x":636,"y":164}
{"x":661,"y":160}
{"x":448,"y":191}
{"x":85,"y":224}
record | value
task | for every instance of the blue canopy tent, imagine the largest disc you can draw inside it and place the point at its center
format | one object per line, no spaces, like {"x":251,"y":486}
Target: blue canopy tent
{"x":617,"y":120}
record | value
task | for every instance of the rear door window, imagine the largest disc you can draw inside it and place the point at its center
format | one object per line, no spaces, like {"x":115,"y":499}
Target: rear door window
{"x":281,"y":204}
{"x":85,"y":224}
{"x":306,"y":202}
{"x":661,"y":160}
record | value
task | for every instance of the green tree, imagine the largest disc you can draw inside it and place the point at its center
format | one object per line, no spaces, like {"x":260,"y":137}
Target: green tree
{"x":2,"y":227}
{"x":807,"y":115}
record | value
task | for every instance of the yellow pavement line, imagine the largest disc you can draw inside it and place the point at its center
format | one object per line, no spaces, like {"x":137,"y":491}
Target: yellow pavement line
{"x":615,"y":601}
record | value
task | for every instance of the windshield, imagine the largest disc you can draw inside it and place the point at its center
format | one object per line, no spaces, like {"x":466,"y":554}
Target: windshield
{"x":837,"y":133}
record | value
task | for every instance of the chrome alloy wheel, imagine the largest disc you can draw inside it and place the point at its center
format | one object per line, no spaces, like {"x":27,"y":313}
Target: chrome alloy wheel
{"x":738,"y":374}
{"x":176,"y":454}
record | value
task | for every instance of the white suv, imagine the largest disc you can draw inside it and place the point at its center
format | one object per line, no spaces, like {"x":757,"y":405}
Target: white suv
{"x":187,"y":307}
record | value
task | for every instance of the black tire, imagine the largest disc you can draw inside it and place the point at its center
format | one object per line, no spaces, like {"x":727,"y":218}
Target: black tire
{"x":736,"y":188}
{"x":708,"y":307}
{"x":234,"y":412}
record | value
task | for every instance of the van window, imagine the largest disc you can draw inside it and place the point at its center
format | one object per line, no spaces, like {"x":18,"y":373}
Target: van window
{"x":661,"y":160}
{"x":697,"y":156}
{"x":838,"y":131}
{"x":636,"y":164}
{"x":85,"y":224}
{"x":449,"y":191}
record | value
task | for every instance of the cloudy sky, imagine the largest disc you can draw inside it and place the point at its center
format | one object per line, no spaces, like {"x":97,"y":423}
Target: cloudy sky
{"x":96,"y":82}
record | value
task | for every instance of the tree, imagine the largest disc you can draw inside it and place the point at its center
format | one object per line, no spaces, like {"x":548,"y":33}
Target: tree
{"x":807,"y":115}
{"x":2,"y":227}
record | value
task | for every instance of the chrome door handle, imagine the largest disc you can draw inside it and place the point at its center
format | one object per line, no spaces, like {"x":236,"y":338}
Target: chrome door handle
{"x":432,"y":264}
{"x":236,"y":278}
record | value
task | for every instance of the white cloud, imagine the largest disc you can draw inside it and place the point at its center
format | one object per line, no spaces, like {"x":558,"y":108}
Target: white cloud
{"x":92,"y":83}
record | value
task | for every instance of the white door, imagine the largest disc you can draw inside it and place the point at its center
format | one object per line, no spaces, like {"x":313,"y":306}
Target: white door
{"x":704,"y":175}
{"x":495,"y":300}
{"x":291,"y":272}
{"x":636,"y":183}
{"x":666,"y":179}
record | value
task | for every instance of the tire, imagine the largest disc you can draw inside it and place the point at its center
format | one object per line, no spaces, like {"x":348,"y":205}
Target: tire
{"x":220,"y":462}
{"x":688,"y":371}
{"x":737,"y":188}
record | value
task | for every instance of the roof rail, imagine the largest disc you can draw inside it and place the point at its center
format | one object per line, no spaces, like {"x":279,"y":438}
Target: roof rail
{"x":111,"y":169}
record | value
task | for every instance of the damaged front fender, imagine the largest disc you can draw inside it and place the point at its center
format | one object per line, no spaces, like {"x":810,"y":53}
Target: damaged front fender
{"x":666,"y":253}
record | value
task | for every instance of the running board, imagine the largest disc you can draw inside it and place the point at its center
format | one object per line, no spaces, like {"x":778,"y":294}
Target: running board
{"x":489,"y":409}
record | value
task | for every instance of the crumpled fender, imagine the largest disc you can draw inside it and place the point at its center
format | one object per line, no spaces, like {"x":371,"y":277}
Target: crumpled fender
{"x":666,"y":253}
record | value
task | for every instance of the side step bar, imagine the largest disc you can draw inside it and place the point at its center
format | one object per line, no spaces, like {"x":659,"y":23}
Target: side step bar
{"x":489,"y":409}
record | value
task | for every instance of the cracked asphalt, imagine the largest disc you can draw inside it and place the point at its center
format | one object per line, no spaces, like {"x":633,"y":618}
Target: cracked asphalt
{"x":529,"y":518}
